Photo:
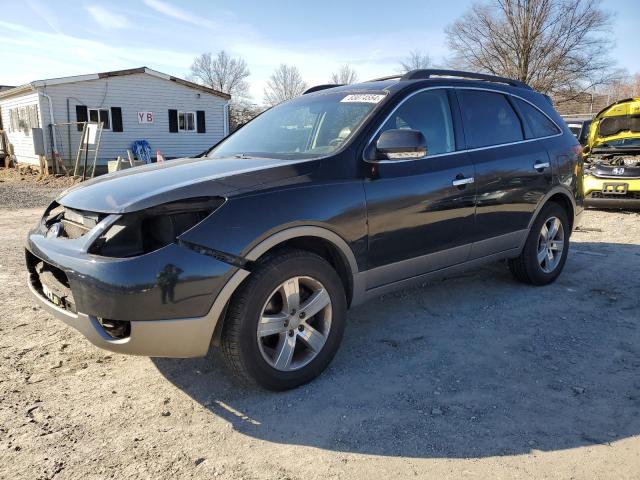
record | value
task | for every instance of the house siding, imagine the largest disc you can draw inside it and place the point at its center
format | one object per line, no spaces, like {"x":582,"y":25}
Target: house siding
{"x":136,"y":93}
{"x":22,"y":142}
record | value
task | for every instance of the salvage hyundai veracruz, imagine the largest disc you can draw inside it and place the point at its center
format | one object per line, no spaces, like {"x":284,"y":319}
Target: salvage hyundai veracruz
{"x":320,"y":203}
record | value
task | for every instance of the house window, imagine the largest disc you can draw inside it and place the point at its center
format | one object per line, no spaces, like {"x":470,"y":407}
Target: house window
{"x":24,"y":119}
{"x":100,"y":115}
{"x":186,"y":121}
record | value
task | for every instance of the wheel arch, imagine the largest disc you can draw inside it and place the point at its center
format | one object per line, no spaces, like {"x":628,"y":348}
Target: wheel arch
{"x":318,"y":240}
{"x":563,"y":200}
{"x":563,"y":197}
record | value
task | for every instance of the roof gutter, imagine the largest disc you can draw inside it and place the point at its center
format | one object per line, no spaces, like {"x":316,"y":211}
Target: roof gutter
{"x":17,"y":90}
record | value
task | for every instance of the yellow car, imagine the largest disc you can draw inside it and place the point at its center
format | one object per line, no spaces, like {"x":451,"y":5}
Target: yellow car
{"x":612,"y":157}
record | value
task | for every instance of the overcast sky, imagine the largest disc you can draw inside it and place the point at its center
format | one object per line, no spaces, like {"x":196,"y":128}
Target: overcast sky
{"x":42,"y":39}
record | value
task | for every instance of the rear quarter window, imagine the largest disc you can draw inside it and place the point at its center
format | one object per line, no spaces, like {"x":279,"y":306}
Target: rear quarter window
{"x":538,"y":122}
{"x":489,"y":119}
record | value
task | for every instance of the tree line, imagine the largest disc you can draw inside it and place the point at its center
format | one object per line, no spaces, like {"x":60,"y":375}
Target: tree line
{"x":559,"y":47}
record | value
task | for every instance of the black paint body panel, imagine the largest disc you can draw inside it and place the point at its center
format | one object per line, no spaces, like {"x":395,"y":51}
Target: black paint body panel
{"x":170,"y":283}
{"x":414,"y":209}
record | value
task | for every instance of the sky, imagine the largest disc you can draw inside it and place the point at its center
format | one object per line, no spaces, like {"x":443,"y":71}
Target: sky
{"x":42,"y":39}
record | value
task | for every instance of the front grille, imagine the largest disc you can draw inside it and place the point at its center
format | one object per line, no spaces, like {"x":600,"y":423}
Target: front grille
{"x":628,"y":195}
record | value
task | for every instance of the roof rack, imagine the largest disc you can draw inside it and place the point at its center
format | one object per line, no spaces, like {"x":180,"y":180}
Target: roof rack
{"x":423,"y":74}
{"x":388,"y":77}
{"x":317,"y":88}
{"x":429,"y":73}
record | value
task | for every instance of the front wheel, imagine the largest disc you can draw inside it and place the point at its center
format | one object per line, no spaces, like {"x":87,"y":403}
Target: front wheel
{"x":285,"y":323}
{"x":545,"y":251}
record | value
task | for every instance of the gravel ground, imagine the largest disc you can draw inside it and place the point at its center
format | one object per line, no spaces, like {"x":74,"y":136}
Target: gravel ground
{"x":26,"y":190}
{"x":475,"y":376}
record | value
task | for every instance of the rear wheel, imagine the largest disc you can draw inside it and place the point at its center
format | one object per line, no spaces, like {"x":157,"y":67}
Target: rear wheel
{"x":285,"y":323}
{"x":545,"y":251}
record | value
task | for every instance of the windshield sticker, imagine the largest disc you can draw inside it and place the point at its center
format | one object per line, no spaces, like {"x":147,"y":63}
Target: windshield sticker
{"x":363,"y":98}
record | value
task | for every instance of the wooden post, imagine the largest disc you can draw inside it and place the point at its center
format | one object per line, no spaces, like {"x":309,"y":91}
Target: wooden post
{"x":130,"y":156}
{"x":44,"y":166}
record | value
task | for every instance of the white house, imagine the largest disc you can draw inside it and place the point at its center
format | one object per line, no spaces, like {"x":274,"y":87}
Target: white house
{"x":177,"y":117}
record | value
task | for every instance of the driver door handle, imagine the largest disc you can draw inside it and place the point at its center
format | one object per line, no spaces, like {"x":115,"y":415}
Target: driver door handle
{"x":463,"y":181}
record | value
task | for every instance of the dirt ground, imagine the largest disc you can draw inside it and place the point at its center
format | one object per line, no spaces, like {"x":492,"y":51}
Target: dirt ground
{"x":475,"y":376}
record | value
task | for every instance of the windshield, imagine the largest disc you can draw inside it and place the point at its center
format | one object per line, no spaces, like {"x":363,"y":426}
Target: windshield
{"x":307,"y":127}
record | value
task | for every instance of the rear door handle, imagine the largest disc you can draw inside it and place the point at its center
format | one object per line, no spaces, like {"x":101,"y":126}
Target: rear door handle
{"x":462,"y":181}
{"x":541,"y":165}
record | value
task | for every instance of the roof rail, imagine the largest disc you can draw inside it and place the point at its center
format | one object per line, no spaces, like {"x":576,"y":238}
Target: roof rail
{"x":429,"y":73}
{"x":388,"y":77}
{"x":317,"y":88}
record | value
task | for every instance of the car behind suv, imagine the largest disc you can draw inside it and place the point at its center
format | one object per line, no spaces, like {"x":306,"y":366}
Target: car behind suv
{"x":315,"y":206}
{"x":612,"y":157}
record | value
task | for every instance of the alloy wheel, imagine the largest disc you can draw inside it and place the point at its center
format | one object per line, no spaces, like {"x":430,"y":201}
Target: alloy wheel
{"x":294,"y":323}
{"x":550,"y":244}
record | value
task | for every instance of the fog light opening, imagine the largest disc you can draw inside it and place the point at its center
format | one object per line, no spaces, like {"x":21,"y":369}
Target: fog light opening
{"x":117,"y":329}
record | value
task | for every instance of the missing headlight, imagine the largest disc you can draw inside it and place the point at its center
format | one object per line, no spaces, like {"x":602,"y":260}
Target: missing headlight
{"x":149,"y":230}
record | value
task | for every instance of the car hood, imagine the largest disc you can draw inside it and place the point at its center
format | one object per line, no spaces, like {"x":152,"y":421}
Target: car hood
{"x":149,"y":185}
{"x":618,"y":121}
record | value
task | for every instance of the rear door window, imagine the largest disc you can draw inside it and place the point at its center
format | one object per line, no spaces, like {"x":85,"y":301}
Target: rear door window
{"x":538,"y":122}
{"x":489,"y":119}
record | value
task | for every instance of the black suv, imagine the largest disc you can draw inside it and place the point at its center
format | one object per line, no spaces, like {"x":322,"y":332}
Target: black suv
{"x":320,"y":203}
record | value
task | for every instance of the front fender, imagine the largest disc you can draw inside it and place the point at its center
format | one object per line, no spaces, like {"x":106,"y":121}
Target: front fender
{"x":242,"y":226}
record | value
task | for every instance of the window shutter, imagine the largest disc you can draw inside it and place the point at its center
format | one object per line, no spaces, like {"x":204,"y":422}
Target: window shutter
{"x":173,"y":121}
{"x":82,"y":115}
{"x":116,"y":119}
{"x":202,"y":128}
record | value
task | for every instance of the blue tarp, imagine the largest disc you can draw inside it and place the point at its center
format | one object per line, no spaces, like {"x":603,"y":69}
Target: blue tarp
{"x":142,"y":150}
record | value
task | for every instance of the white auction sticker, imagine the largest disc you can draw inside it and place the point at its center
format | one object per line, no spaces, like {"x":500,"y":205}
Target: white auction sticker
{"x":363,"y":98}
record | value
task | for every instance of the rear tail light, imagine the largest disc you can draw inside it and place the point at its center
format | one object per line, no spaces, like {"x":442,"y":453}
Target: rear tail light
{"x":577,"y":149}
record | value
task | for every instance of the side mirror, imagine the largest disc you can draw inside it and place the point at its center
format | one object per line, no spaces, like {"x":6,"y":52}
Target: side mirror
{"x":401,"y":144}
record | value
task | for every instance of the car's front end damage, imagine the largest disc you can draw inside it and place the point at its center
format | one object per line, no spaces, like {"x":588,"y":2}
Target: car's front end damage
{"x":124,"y":288}
{"x":612,"y":157}
{"x":110,"y":259}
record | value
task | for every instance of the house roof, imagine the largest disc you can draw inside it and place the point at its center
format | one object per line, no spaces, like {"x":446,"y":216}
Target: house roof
{"x":115,"y":73}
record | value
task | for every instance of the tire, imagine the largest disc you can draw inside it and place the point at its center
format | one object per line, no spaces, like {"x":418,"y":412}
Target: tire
{"x":527,"y":268}
{"x":264,"y":301}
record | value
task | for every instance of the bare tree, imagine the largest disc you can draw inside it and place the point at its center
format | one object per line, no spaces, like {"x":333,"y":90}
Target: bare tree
{"x":285,"y":83}
{"x":228,"y":75}
{"x":553,"y":45}
{"x":223,"y":73}
{"x":416,"y":60}
{"x":624,"y":85}
{"x":345,"y":76}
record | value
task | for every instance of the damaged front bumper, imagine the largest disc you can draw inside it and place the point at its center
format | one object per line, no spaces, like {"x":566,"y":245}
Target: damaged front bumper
{"x":164,"y":303}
